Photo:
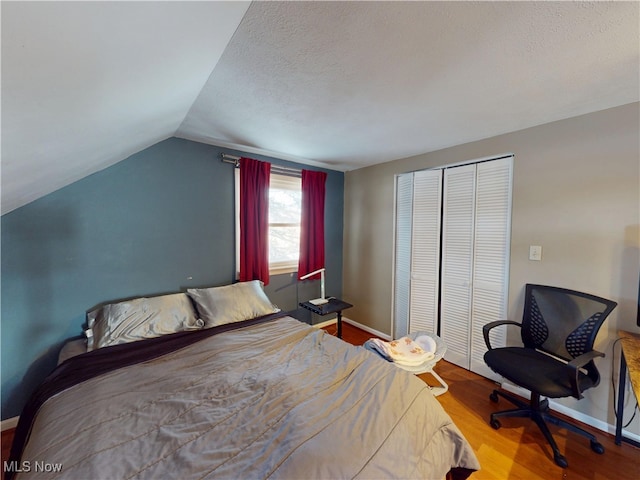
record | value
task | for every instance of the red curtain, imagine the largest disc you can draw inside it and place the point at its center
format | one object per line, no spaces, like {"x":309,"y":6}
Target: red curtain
{"x":254,"y":220}
{"x":312,"y":223}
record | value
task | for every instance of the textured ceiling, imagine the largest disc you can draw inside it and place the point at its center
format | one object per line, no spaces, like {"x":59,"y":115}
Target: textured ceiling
{"x":87,"y":84}
{"x":335,"y":84}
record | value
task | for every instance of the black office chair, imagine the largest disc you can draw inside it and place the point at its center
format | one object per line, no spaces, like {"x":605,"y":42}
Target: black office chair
{"x":558,"y":329}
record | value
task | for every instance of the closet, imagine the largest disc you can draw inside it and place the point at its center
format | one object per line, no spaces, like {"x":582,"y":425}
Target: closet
{"x":451,"y":255}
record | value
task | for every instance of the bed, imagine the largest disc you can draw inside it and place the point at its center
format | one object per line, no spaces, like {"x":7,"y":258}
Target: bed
{"x":226,"y":393}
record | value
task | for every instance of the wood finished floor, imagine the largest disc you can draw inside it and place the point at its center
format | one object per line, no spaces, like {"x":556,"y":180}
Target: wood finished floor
{"x":516,"y":451}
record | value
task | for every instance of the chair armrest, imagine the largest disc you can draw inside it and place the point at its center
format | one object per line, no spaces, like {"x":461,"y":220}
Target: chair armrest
{"x":488,"y":326}
{"x":574,"y":367}
{"x":585,"y":358}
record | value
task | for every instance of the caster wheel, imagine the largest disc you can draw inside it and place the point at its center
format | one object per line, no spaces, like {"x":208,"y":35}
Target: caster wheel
{"x":494,"y":397}
{"x":495,"y":424}
{"x":560,"y":460}
{"x":597,"y":447}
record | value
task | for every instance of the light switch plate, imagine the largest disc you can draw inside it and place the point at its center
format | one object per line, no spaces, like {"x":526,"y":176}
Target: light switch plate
{"x":535,"y":253}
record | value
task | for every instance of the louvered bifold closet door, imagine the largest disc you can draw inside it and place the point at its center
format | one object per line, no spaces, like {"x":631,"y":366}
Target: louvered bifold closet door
{"x":425,"y":251}
{"x":457,"y":261}
{"x":491,"y":257}
{"x":402,"y":258}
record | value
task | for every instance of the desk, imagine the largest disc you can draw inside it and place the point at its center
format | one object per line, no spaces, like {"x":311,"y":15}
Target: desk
{"x":334,"y":305}
{"x":629,"y":357}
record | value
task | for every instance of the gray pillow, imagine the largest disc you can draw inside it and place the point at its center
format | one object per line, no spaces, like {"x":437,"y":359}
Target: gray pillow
{"x":231,"y":303}
{"x":140,"y":318}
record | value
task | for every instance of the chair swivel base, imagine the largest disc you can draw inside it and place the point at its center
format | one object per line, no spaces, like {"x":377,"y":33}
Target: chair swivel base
{"x":539,"y":412}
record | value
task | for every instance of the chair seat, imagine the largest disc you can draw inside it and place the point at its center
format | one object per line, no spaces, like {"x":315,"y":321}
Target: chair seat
{"x":534,"y":371}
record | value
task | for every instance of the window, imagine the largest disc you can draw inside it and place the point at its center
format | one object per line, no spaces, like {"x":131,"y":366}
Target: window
{"x":285,"y":202}
{"x":285,"y":207}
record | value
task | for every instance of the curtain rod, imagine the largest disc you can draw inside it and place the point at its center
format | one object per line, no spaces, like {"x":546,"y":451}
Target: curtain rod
{"x":233,"y":159}
{"x":277,"y":169}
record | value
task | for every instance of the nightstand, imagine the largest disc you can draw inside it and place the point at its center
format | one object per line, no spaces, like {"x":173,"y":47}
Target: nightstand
{"x":334,"y":305}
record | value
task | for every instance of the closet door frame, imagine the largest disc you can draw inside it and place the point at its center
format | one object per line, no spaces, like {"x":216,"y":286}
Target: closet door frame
{"x":425,"y":251}
{"x":458,"y":227}
{"x":402,"y":234}
{"x":492,"y":255}
{"x":464,"y":340}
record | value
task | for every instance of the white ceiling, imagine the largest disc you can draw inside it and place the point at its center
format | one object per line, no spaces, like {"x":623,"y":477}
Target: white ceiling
{"x":335,"y":84}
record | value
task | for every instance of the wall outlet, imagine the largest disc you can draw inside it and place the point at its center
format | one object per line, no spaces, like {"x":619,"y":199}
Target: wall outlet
{"x":535,"y":253}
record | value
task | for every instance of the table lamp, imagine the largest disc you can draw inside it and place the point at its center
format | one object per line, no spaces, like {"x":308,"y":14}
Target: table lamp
{"x":321,"y":300}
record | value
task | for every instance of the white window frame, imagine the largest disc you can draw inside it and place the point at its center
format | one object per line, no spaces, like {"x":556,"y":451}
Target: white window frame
{"x":281,"y":181}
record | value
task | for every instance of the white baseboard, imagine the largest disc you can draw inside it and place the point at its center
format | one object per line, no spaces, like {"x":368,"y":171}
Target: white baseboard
{"x":571,"y":413}
{"x":333,"y":321}
{"x":625,"y":434}
{"x":370,"y":330}
{"x":9,"y":423}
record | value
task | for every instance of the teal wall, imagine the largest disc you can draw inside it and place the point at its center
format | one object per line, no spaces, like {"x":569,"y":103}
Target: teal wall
{"x":160,"y":221}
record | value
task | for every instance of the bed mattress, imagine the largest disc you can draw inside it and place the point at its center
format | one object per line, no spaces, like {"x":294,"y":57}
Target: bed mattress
{"x":273,"y":398}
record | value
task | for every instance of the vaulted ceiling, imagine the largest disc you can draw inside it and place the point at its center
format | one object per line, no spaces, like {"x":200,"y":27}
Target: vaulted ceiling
{"x":341,"y":85}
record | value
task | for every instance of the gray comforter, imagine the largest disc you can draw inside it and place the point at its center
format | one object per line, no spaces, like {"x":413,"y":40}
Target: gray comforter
{"x":274,"y":400}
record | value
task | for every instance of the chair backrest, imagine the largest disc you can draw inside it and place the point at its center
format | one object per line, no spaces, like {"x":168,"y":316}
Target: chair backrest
{"x":562,"y":322}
